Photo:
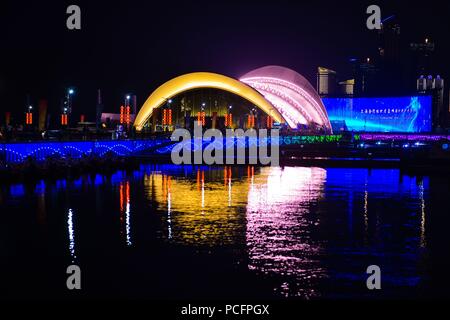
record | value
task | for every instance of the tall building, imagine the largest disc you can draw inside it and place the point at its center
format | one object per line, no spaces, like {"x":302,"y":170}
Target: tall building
{"x":347,"y":87}
{"x":389,"y":46}
{"x":422,"y":57}
{"x":391,"y":62}
{"x":98,"y":109}
{"x":326,"y":82}
{"x":435,"y":88}
{"x":365,"y":77}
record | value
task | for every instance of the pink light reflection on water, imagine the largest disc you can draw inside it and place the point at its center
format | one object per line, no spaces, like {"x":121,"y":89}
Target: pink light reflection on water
{"x":278,"y":228}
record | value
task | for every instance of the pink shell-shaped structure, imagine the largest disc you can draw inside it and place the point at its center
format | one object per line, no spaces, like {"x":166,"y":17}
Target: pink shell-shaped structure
{"x":291,"y":94}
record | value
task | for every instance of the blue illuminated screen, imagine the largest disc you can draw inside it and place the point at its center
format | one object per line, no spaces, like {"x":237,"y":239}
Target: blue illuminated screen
{"x":392,"y":114}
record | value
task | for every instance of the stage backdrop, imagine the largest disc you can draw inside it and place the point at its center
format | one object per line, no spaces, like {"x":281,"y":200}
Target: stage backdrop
{"x":387,"y":114}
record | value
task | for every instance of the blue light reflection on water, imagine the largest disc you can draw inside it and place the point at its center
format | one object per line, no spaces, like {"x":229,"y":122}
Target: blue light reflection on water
{"x":385,"y":224}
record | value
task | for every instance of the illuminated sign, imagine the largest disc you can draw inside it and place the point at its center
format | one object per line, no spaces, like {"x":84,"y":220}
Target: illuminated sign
{"x":387,"y":114}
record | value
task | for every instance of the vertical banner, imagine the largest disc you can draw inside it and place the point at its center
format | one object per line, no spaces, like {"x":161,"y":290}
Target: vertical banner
{"x":134,"y":102}
{"x":214,"y":120}
{"x":122,"y":115}
{"x":42,"y":109}
{"x":7,"y":118}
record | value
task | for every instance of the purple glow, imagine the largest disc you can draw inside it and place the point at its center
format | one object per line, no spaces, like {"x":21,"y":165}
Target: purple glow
{"x":292,"y":95}
{"x":406,"y":137}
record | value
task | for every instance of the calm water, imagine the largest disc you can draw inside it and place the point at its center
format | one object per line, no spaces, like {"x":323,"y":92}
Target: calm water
{"x":215,"y":232}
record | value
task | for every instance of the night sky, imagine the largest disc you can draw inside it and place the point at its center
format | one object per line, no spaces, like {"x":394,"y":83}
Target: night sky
{"x":133,"y":46}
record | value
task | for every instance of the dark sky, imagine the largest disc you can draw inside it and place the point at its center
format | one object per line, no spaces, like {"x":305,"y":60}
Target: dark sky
{"x":133,"y":46}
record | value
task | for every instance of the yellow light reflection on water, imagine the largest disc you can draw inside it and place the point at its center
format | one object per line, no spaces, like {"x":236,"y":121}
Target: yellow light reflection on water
{"x":204,"y":212}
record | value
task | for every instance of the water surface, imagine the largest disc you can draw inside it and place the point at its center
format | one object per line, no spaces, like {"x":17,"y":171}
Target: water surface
{"x":227,"y":232}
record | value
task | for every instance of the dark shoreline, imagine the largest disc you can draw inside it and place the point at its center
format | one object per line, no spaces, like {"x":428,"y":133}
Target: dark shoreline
{"x":421,"y":159}
{"x":73,"y":168}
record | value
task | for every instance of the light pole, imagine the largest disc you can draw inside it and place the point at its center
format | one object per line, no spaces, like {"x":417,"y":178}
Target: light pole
{"x":251,"y":118}
{"x":169,"y":112}
{"x":29,"y":115}
{"x":127,"y":111}
{"x":229,"y":116}
{"x":70,"y":93}
{"x":202,"y":114}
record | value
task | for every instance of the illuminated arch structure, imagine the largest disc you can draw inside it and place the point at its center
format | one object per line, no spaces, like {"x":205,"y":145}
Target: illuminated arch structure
{"x":198,"y":80}
{"x":281,"y":93}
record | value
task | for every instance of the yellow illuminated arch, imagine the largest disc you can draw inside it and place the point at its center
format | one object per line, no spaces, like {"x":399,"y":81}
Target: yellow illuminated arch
{"x":202,"y":80}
